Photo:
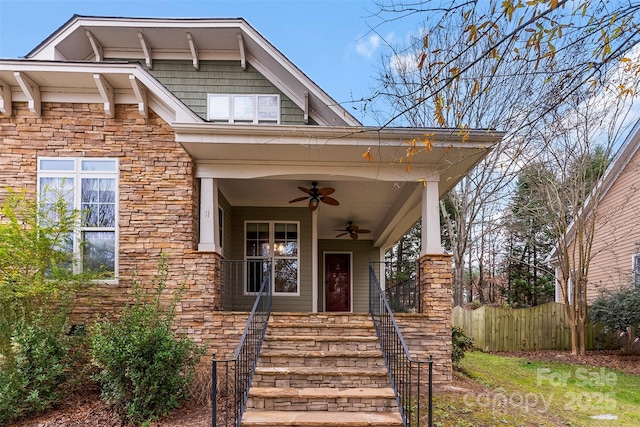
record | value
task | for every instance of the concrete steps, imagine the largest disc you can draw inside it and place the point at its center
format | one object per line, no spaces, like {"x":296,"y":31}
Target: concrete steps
{"x":321,"y":370}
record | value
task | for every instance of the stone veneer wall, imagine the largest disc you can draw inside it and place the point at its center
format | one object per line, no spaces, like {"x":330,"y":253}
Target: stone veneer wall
{"x":157,"y":200}
{"x":429,"y":333}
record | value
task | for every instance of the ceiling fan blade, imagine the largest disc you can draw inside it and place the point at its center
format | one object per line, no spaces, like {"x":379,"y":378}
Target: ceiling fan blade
{"x":354,"y":236}
{"x":309,"y":191}
{"x":329,"y":200}
{"x":326,"y":191}
{"x":363,"y":231}
{"x":299,"y":199}
{"x":340,"y":235}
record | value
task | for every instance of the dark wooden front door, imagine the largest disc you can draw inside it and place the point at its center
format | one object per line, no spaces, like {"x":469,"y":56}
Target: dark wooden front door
{"x":337,"y":282}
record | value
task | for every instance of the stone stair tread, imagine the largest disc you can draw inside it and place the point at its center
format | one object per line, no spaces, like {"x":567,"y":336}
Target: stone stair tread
{"x":320,"y":353}
{"x":306,"y":325}
{"x":321,"y":418}
{"x":347,"y":338}
{"x":316,"y":370}
{"x":321,"y":392}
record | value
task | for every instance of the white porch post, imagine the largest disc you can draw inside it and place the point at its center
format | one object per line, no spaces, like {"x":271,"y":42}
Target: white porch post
{"x":208,"y":214}
{"x":314,"y":262}
{"x":431,"y":218}
{"x":382,"y":270}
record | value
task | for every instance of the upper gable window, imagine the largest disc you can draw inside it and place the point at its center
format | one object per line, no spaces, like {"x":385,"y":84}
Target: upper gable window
{"x":243,"y":108}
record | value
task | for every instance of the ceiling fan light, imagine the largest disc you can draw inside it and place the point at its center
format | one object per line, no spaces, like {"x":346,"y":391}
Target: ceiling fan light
{"x":313,"y":203}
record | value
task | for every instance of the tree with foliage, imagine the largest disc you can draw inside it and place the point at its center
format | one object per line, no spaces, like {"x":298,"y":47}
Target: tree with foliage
{"x":530,"y":281}
{"x":502,"y":103}
{"x":514,"y":37}
{"x":619,"y":310}
{"x":568,"y":193}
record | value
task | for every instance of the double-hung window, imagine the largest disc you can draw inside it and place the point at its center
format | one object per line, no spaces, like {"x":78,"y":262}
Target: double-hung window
{"x":90,"y":186}
{"x":277,"y":242}
{"x":636,"y":271}
{"x":243,"y":108}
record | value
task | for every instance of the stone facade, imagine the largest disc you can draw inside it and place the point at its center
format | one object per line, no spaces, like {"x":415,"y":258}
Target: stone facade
{"x":157,"y":198}
{"x":429,"y":333}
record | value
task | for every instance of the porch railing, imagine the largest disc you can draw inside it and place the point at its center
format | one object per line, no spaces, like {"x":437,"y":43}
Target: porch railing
{"x":231,"y":378}
{"x":240,"y":282}
{"x":405,"y":372}
{"x":401,"y":286}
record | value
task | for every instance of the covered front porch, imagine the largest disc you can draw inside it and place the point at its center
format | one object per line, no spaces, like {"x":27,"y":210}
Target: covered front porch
{"x":288,"y":199}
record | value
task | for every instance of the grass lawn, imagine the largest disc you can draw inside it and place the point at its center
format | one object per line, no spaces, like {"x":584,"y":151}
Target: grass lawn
{"x":491,"y":390}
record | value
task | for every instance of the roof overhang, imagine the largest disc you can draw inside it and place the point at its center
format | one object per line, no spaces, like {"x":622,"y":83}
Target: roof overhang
{"x":381,"y":191}
{"x":119,"y":83}
{"x":85,"y":38}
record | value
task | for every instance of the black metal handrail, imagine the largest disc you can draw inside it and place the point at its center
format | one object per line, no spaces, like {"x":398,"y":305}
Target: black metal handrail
{"x":404,"y":371}
{"x":230,"y":386}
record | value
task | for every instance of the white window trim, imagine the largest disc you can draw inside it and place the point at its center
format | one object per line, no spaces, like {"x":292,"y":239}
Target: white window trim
{"x":272,"y":256}
{"x":635,"y":262}
{"x":230,"y":98}
{"x":77,"y":175}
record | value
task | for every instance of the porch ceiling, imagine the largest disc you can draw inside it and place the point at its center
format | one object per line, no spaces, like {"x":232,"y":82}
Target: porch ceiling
{"x":364,"y":202}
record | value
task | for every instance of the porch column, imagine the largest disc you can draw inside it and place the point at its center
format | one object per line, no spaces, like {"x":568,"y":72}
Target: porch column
{"x":435,"y":278}
{"x":314,"y":261}
{"x":431,"y":218}
{"x":208,"y":214}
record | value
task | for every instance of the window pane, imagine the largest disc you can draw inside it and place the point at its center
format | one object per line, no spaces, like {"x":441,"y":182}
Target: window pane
{"x":218,"y":107}
{"x":268,"y":107}
{"x":98,"y":251}
{"x":286,"y":275}
{"x":286,"y":239}
{"x":57,"y":165}
{"x":256,"y":272}
{"x":98,"y":202}
{"x":56,"y":195}
{"x":99,"y":165}
{"x":243,"y":108}
{"x":257,"y":240}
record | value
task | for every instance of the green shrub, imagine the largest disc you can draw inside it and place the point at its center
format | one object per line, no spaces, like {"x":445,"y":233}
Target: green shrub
{"x":461,"y":343}
{"x":145,"y":370}
{"x":36,"y":285}
{"x":31,"y":375}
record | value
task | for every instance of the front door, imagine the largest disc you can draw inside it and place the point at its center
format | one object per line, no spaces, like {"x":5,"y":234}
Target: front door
{"x":337,"y":281}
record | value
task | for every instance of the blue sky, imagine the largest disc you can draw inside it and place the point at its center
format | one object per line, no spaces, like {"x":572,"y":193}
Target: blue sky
{"x":330,"y":41}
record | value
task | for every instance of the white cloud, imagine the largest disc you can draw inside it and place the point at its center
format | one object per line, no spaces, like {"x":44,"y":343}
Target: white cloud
{"x":367,"y":46}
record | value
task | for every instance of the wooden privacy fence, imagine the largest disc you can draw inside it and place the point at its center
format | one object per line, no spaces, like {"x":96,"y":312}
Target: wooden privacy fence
{"x":544,"y":327}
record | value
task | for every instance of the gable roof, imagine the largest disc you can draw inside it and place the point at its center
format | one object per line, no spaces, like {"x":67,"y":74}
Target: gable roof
{"x":91,"y":38}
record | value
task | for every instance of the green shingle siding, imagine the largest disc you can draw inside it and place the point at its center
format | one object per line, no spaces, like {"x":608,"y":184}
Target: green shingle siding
{"x":192,"y":86}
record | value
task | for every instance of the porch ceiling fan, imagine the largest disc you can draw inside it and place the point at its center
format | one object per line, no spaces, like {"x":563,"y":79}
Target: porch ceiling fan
{"x":316,"y":195}
{"x":352,"y":231}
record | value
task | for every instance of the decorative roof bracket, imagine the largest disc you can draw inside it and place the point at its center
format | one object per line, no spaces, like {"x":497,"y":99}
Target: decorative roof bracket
{"x":141,"y":95}
{"x":243,"y":59}
{"x":306,"y":107}
{"x":106,"y":92}
{"x":31,"y":91}
{"x":194,"y":51}
{"x":146,"y":49}
{"x":95,"y":45}
{"x":5,"y":99}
